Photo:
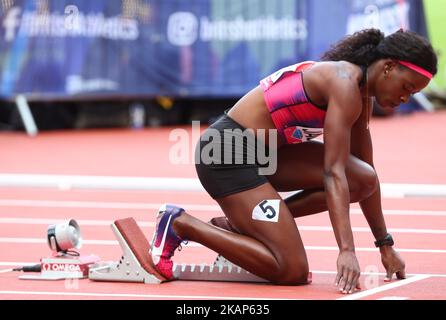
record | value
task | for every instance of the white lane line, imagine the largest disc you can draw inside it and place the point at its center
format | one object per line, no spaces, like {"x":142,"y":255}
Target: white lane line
{"x":422,"y":213}
{"x":419,"y":231}
{"x":97,"y":205}
{"x":365,"y":229}
{"x":378,"y":273}
{"x":197,"y":245}
{"x":154,"y":206}
{"x":130,"y":295}
{"x":93,"y":223}
{"x":16,"y":264}
{"x":67,"y":182}
{"x":437,"y":275}
{"x":88,"y":223}
{"x":5,"y":271}
{"x":38,"y":241}
{"x":383,"y":288}
{"x":326,"y":248}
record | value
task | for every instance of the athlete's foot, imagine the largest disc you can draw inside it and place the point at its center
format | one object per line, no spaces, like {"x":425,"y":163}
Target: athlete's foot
{"x":165,"y":241}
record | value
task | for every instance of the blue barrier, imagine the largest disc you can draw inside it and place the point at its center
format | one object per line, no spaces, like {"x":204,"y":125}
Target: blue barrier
{"x":193,"y":48}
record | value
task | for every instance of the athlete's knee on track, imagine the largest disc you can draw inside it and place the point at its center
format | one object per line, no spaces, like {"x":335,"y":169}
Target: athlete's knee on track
{"x":292,"y":274}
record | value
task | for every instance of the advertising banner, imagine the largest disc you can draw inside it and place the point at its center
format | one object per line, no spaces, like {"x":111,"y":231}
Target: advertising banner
{"x":178,"y":48}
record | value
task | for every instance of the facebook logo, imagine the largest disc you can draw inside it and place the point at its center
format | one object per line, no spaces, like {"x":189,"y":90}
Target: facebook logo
{"x":11,"y":23}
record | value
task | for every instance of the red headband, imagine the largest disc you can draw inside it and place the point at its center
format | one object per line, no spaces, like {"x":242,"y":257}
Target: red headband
{"x":416,"y":68}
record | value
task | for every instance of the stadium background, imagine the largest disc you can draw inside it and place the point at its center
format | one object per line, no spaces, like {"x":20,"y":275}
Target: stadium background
{"x":138,"y":63}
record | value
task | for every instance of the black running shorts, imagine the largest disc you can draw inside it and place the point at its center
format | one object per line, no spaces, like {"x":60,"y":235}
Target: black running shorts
{"x":225,"y":173}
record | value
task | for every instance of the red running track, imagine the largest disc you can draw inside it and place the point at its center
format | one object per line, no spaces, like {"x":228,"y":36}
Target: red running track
{"x":405,"y":152}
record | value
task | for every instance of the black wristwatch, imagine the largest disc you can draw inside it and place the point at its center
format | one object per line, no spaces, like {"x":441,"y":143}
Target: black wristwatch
{"x":387,"y":241}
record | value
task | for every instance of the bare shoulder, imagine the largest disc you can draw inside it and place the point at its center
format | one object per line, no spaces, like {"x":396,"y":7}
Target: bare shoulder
{"x":338,"y":72}
{"x":334,"y":80}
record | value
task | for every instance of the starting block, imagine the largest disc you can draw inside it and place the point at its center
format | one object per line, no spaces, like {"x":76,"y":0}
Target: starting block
{"x":136,"y":264}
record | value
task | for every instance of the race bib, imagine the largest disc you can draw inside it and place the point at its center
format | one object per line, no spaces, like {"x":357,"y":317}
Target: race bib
{"x":298,"y":134}
{"x":267,"y":210}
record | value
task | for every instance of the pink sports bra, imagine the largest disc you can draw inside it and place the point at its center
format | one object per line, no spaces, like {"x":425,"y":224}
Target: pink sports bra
{"x":296,"y":118}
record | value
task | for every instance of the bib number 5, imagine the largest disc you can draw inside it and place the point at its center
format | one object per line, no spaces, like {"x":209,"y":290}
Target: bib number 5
{"x":267,"y":210}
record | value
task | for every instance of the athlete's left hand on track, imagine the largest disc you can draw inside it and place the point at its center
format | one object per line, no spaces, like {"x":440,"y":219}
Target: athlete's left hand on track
{"x":347,"y":278}
{"x":393,"y":263}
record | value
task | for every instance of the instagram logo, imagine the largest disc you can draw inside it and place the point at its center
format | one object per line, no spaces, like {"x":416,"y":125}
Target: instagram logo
{"x":182,"y":29}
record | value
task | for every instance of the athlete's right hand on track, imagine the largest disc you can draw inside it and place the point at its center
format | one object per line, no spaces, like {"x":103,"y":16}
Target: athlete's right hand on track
{"x":393,"y":263}
{"x":347,"y":278}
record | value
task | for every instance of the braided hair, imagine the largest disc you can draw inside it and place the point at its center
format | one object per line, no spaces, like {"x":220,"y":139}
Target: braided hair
{"x":369,"y":45}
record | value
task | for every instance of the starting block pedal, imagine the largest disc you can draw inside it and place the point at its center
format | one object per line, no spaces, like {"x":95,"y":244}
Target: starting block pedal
{"x":135,"y":265}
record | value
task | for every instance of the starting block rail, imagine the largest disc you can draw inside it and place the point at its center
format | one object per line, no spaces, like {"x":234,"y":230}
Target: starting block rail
{"x":221,"y":270}
{"x":136,"y":264}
